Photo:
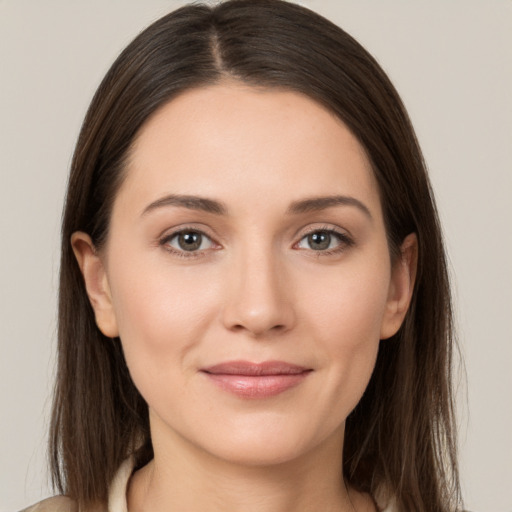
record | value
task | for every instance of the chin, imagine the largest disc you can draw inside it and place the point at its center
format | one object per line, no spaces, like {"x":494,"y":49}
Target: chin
{"x":271,"y":443}
{"x":261,"y":454}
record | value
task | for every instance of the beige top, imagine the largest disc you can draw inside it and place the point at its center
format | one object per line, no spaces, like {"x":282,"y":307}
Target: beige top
{"x":116,"y":498}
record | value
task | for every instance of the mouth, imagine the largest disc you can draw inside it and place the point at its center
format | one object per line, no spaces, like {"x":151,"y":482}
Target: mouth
{"x":256,"y":380}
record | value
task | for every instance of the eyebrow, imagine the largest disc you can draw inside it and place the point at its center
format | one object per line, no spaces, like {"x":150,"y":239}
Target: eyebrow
{"x":204,"y":204}
{"x":190,"y":202}
{"x":315,"y":204}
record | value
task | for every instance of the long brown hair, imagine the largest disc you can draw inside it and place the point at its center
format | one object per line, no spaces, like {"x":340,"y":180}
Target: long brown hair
{"x":401,"y":435}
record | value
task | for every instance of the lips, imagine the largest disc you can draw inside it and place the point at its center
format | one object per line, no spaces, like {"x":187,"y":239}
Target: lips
{"x":256,"y":380}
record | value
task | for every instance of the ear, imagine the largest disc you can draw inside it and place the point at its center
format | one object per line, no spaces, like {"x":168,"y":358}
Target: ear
{"x":403,"y":275}
{"x":96,"y":283}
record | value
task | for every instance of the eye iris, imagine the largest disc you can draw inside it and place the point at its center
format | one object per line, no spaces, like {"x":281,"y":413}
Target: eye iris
{"x":190,"y":241}
{"x":319,"y":240}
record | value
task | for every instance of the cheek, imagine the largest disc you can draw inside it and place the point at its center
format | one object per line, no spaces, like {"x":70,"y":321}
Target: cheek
{"x":349,"y":304}
{"x":161,"y":312}
{"x":345,"y":315}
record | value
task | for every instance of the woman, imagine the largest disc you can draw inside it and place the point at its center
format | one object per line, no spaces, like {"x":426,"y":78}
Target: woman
{"x":254,"y":304}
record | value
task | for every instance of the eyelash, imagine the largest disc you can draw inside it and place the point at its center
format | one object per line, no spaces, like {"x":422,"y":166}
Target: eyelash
{"x":182,"y":253}
{"x":344,"y":240}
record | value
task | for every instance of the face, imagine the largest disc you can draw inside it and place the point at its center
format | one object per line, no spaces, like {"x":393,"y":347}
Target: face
{"x":247,"y":273}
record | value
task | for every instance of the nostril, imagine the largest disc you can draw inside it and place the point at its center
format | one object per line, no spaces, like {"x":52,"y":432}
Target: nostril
{"x":257,"y":330}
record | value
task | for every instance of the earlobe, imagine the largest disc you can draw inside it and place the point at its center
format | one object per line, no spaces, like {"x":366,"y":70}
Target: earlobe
{"x":96,"y":283}
{"x":403,"y":276}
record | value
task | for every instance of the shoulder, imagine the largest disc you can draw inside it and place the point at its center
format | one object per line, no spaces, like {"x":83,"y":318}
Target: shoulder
{"x":116,"y":501}
{"x":55,"y":504}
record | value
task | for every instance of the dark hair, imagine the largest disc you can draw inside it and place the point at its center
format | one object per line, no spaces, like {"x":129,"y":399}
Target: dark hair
{"x":401,"y":435}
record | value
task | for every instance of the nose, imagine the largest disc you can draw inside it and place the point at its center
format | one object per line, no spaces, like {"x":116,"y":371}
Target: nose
{"x":259,"y":299}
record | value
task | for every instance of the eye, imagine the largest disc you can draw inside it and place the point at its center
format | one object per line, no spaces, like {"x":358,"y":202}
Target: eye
{"x":188,"y":241}
{"x":324,"y":240}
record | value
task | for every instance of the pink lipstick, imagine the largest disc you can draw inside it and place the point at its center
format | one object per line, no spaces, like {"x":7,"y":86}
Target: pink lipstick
{"x":256,"y":380}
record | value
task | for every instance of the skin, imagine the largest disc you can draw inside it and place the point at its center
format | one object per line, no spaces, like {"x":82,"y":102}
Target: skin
{"x":257,"y":289}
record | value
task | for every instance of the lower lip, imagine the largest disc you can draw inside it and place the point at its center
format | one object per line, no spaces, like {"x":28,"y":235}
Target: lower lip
{"x":261,"y":386}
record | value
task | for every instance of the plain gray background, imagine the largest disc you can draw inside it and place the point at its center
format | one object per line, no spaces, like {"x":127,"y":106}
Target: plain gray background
{"x":452,"y":63}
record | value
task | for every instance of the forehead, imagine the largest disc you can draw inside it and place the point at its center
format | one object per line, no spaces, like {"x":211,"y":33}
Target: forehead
{"x":236,"y":140}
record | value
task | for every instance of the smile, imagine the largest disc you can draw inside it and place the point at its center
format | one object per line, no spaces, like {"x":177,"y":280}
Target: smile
{"x":256,"y":380}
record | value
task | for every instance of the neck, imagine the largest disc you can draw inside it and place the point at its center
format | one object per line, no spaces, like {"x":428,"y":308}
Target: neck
{"x":183,"y":477}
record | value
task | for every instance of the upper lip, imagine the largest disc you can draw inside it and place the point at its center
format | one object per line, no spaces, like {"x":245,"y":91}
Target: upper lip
{"x":255,"y":369}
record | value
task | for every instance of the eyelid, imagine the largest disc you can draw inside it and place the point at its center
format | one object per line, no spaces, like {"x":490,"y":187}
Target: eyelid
{"x":199,"y":227}
{"x":331,"y":228}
